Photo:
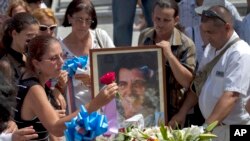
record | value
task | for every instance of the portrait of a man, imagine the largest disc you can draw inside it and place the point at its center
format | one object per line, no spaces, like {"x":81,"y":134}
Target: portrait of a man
{"x":138,"y":94}
{"x":140,"y":83}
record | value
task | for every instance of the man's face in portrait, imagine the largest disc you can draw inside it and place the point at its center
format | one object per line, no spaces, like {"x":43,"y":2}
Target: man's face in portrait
{"x":132,"y":86}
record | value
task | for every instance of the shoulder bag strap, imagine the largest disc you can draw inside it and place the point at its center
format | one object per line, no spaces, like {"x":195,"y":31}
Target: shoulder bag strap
{"x":201,"y":76}
{"x":211,"y":64}
{"x":98,"y":34}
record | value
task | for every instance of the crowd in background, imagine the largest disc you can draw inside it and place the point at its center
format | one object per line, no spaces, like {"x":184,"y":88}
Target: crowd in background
{"x":191,"y":33}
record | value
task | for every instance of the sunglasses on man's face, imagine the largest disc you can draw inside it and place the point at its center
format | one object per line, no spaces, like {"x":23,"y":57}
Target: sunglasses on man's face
{"x":45,"y":27}
{"x":211,"y":14}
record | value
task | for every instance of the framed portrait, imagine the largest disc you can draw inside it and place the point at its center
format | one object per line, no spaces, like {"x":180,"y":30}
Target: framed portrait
{"x":140,"y":75}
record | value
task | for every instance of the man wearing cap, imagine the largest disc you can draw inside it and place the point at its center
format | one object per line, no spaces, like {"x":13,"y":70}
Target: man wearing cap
{"x":223,"y":95}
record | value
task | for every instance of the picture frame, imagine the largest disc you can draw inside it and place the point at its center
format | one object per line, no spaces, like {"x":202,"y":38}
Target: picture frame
{"x":140,"y":75}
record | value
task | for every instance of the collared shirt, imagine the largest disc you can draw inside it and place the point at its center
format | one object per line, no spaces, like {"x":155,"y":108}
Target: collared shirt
{"x":184,"y":50}
{"x":231,"y":73}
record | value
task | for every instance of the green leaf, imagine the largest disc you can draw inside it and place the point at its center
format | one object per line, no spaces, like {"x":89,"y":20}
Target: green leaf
{"x":206,"y":136}
{"x":211,"y":126}
{"x":177,"y":135}
{"x":164,"y":132}
{"x":145,"y":136}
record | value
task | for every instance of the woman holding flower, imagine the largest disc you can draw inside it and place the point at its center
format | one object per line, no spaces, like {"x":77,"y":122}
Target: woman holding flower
{"x":44,"y":59}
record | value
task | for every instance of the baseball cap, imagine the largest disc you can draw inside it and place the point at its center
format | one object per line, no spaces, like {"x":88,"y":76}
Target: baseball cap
{"x":208,"y":4}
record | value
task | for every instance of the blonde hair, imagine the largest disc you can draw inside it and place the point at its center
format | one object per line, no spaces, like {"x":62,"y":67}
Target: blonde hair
{"x":15,"y":3}
{"x":41,"y":13}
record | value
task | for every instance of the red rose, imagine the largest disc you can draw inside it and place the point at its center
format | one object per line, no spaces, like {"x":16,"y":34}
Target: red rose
{"x":108,"y":78}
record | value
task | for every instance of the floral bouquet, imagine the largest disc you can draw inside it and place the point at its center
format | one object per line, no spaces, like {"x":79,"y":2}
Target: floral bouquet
{"x":165,"y":133}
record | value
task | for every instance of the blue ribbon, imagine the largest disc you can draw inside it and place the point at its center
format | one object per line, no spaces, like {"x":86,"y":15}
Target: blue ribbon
{"x":71,"y":65}
{"x":85,"y":127}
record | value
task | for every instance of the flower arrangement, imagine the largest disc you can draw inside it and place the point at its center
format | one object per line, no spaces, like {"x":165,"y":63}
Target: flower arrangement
{"x":165,"y":133}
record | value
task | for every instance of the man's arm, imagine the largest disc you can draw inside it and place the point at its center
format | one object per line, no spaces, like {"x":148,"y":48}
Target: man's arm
{"x":181,"y":73}
{"x":190,"y":101}
{"x":223,"y":107}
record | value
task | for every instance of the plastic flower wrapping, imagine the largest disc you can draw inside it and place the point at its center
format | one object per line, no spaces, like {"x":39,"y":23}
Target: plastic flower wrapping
{"x":164,"y":133}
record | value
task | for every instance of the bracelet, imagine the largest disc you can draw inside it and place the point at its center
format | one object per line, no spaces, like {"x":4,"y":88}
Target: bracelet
{"x":59,"y":88}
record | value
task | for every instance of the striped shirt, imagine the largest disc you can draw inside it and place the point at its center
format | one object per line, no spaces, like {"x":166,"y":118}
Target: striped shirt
{"x":24,"y":87}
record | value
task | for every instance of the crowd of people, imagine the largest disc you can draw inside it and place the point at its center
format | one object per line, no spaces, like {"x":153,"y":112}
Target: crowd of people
{"x":205,"y":47}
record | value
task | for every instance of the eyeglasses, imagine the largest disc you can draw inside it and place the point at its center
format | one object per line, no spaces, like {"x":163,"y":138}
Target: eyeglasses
{"x":82,"y":20}
{"x":211,"y":14}
{"x":45,"y":27}
{"x":54,"y":58}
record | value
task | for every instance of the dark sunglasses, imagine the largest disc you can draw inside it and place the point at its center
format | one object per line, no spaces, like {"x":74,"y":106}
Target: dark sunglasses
{"x":45,"y":27}
{"x":211,"y":14}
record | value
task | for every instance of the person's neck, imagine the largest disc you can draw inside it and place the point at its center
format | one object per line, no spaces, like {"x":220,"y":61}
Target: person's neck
{"x":78,"y":45}
{"x":42,"y":78}
{"x":165,"y":37}
{"x":16,"y":47}
{"x":223,"y":43}
{"x":75,"y":39}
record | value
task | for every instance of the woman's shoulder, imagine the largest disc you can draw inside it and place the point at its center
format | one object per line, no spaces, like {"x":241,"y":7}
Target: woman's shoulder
{"x":102,"y":38}
{"x":28,"y":82}
{"x":99,"y":32}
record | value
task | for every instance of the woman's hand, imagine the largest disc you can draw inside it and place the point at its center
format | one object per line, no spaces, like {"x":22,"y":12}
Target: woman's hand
{"x":24,"y":134}
{"x":11,"y":127}
{"x":104,"y":97}
{"x":61,"y":113}
{"x":62,"y":79}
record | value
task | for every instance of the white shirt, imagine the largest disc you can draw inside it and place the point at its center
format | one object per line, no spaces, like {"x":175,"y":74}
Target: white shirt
{"x":245,"y":29}
{"x":231,"y":73}
{"x":82,"y":93}
{"x":6,"y":137}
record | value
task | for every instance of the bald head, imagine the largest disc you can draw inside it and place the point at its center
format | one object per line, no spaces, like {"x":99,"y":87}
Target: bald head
{"x":217,"y":26}
{"x":224,"y":13}
{"x":220,"y":16}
